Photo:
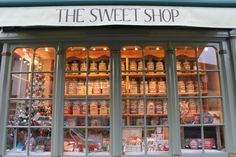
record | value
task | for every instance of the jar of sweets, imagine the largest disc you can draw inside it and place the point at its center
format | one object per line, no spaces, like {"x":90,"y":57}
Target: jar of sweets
{"x":80,"y":87}
{"x":93,"y":67}
{"x":181,"y":87}
{"x":74,"y":66}
{"x":123,"y":66}
{"x":159,"y":106}
{"x":159,"y":66}
{"x":83,"y":67}
{"x":67,"y":87}
{"x":150,"y":65}
{"x":83,"y":106}
{"x":90,"y":87}
{"x":72,"y":87}
{"x":133,"y":107}
{"x":76,"y":108}
{"x":140,"y":107}
{"x":150,"y":107}
{"x":67,"y":107}
{"x":93,"y":107}
{"x":152,"y":86}
{"x":178,"y":65}
{"x":142,"y":87}
{"x":102,"y":67}
{"x":187,"y":65}
{"x":67,"y":67}
{"x":161,"y":86}
{"x":123,"y":86}
{"x":134,"y":87}
{"x":140,"y":66}
{"x":133,"y":65}
{"x":96,"y":87}
{"x":190,"y":87}
{"x":103,"y":108}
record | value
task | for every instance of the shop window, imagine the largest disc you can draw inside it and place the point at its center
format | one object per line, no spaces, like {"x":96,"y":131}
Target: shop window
{"x":30,"y":102}
{"x":87,"y":101}
{"x":200,"y":100}
{"x":144,"y":101}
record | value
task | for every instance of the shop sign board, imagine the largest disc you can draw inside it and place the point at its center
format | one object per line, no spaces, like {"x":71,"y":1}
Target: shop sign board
{"x":118,"y":15}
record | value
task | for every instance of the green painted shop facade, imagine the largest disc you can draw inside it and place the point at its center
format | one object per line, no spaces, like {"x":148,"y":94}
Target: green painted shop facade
{"x":187,"y":72}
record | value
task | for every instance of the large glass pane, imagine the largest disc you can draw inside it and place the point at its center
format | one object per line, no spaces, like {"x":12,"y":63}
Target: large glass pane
{"x":98,"y":142}
{"x":207,"y":59}
{"x":22,"y":59}
{"x":20,"y":85}
{"x":44,"y":59}
{"x":74,"y":142}
{"x":211,"y":84}
{"x":133,"y":141}
{"x":17,"y":141}
{"x":157,"y":141}
{"x":40,"y":142}
{"x":18,"y":113}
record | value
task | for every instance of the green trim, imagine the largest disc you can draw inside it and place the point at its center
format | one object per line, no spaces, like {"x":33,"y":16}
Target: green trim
{"x":204,"y":3}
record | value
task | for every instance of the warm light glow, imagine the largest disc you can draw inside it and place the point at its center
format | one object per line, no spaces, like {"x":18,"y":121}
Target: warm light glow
{"x":25,"y":61}
{"x":157,"y":48}
{"x":83,"y":49}
{"x":136,"y":49}
{"x":206,"y":49}
{"x":104,"y":48}
{"x":124,"y":49}
{"x":46,"y":49}
{"x":24,"y":50}
{"x":94,"y":49}
{"x":20,"y":59}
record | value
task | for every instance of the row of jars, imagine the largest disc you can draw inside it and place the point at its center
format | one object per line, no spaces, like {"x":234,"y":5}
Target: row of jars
{"x":79,"y":107}
{"x":189,"y":86}
{"x":189,"y":106}
{"x":135,"y":65}
{"x":153,"y":86}
{"x":153,"y":107}
{"x":94,"y":66}
{"x":187,"y":65}
{"x":75,"y":87}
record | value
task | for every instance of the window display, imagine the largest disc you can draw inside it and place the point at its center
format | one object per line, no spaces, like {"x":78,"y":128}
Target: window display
{"x":200,"y":105}
{"x":87,"y":101}
{"x":144,"y":100}
{"x":30,"y":104}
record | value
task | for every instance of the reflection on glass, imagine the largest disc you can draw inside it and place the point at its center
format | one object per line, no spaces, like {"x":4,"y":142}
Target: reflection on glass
{"x":98,"y":142}
{"x":18,"y":112}
{"x":211,"y":84}
{"x":20,"y":85}
{"x":40,"y":142}
{"x":42,"y":85}
{"x":157,"y":140}
{"x":41,"y":113}
{"x":214,"y":138}
{"x":189,"y":111}
{"x":22,"y":60}
{"x":132,"y":141}
{"x":213,"y":111}
{"x":207,"y":59}
{"x":74,"y":142}
{"x":16,"y":141}
{"x":44,"y":59}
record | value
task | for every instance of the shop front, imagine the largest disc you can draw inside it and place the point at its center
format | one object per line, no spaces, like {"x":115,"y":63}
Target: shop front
{"x":164,"y":90}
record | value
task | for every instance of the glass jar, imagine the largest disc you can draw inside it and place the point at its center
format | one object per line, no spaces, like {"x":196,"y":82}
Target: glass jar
{"x":181,"y":87}
{"x":83,"y":67}
{"x":123,"y":87}
{"x":134,"y":87}
{"x":68,"y":67}
{"x":123,"y":66}
{"x":133,"y":65}
{"x":80,"y":88}
{"x":74,"y":66}
{"x":150,"y":65}
{"x":76,"y":108}
{"x":103,"y":108}
{"x":142,"y":87}
{"x":133,"y":107}
{"x":96,"y":87}
{"x":140,"y":107}
{"x":67,"y":107}
{"x":190,"y":87}
{"x":178,"y":65}
{"x":140,"y":65}
{"x":159,"y":66}
{"x":161,"y":87}
{"x":187,"y":65}
{"x":93,"y":67}
{"x":152,"y":86}
{"x":72,"y":87}
{"x":159,"y":106}
{"x":106,"y":87}
{"x":102,"y":67}
{"x":150,"y":107}
{"x":93,"y":108}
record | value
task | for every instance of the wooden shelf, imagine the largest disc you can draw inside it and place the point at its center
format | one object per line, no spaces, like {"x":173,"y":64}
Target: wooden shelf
{"x":148,"y":115}
{"x":190,"y":73}
{"x":83,"y":115}
{"x":83,"y":76}
{"x":84,"y":96}
{"x":140,"y":74}
{"x":147,"y":94}
{"x":192,"y":94}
